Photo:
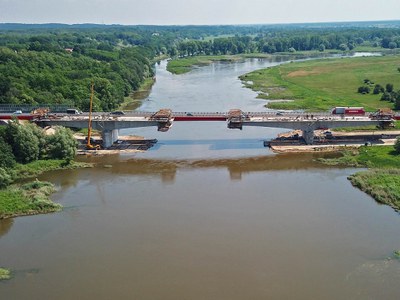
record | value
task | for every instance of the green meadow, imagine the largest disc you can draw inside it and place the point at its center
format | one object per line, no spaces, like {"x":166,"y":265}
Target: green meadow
{"x":319,"y":85}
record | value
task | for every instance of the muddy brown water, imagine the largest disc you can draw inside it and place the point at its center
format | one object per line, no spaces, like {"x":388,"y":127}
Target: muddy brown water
{"x":207,"y":214}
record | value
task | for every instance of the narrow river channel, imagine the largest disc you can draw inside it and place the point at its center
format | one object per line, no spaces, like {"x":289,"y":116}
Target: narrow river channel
{"x":208,"y":213}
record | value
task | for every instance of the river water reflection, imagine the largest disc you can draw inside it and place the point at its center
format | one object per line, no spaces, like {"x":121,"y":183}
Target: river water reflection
{"x":209,"y":213}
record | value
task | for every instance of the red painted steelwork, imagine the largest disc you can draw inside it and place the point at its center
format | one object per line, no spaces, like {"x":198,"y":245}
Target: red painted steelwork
{"x":199,"y":118}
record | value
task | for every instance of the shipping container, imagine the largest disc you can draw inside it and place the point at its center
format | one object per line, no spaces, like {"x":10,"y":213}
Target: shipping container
{"x":354,"y":111}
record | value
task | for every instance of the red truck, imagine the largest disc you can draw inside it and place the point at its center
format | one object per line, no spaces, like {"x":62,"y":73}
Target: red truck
{"x":353,"y":111}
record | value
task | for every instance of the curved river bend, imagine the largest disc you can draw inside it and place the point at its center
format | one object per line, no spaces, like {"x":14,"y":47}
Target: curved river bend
{"x":208,"y":213}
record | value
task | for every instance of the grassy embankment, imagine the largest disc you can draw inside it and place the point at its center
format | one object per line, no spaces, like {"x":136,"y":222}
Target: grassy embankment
{"x":31,"y":198}
{"x":319,"y":85}
{"x":382,"y":180}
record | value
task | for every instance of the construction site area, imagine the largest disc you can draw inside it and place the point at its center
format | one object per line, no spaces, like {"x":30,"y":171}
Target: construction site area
{"x":326,"y":140}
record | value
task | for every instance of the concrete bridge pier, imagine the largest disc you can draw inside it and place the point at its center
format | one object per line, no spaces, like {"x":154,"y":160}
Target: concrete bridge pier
{"x":308,"y":136}
{"x":109,"y":137}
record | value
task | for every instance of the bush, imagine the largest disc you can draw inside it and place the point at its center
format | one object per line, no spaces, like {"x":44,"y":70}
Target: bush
{"x":364,"y":90}
{"x":5,"y":274}
{"x":378,"y":89}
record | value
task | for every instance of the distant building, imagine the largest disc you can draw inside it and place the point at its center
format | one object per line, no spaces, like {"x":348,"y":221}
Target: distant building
{"x":69,"y":50}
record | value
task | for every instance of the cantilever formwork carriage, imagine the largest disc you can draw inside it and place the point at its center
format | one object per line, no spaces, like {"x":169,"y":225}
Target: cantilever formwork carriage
{"x":164,"y":118}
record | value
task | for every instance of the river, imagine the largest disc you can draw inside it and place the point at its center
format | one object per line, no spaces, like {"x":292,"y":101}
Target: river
{"x":208,"y":213}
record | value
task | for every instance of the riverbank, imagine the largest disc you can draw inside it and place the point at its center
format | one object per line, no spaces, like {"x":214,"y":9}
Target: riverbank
{"x":319,"y":85}
{"x":33,"y":197}
{"x":27,"y":199}
{"x":382,"y":180}
{"x":134,"y":100}
{"x":382,"y":184}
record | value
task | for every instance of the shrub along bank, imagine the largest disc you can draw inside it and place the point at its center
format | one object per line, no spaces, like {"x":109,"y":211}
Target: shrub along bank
{"x":4,"y":274}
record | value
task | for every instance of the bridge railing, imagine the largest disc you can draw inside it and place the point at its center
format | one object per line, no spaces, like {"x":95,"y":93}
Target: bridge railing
{"x":27,"y":108}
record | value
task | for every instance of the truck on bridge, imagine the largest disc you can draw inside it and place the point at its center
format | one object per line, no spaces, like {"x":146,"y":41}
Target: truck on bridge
{"x":353,"y":111}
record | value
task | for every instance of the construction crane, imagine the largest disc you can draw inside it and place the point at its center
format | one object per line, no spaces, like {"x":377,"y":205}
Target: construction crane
{"x":89,"y":145}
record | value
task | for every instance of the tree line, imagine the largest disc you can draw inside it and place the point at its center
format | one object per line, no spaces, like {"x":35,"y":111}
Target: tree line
{"x":290,"y":41}
{"x":55,"y":63}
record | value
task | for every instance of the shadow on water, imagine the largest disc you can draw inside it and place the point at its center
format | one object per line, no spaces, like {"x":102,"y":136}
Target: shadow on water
{"x":167,"y":169}
{"x":5,"y":226}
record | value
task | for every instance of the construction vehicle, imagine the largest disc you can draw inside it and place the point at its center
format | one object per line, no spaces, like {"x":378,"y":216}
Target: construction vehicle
{"x":89,"y":145}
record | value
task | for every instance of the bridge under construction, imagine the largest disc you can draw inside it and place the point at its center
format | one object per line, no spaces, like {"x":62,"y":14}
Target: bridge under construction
{"x":110,"y":123}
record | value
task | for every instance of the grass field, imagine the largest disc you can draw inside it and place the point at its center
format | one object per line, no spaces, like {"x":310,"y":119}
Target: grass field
{"x":30,"y":198}
{"x":382,"y":184}
{"x":319,"y":85}
{"x":33,"y":197}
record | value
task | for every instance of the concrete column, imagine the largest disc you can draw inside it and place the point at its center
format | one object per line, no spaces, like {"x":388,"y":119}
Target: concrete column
{"x":308,"y":136}
{"x":109,"y":137}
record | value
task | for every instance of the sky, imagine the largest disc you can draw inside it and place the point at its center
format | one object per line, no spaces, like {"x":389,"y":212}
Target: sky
{"x":196,"y":12}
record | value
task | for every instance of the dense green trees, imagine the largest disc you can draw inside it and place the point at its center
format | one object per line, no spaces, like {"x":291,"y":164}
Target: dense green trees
{"x":61,"y":144}
{"x":27,"y":143}
{"x":291,"y":40}
{"x":55,"y":63}
{"x":42,"y":77}
{"x":57,"y":67}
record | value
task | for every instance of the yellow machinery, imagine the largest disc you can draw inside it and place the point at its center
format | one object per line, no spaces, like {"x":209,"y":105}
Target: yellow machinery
{"x":89,"y":145}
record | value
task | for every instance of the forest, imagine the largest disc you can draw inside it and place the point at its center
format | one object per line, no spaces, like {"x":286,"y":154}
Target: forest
{"x":56,"y":63}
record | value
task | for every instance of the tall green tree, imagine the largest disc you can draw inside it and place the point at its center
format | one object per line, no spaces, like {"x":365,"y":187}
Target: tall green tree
{"x":62,"y":144}
{"x":23,"y":141}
